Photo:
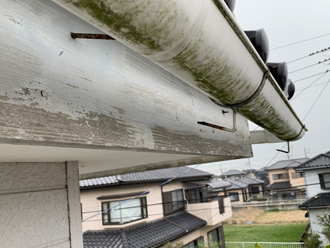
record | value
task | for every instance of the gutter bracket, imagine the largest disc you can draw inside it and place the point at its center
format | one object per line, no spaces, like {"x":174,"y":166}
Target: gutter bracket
{"x":288,"y":151}
{"x":254,"y":95}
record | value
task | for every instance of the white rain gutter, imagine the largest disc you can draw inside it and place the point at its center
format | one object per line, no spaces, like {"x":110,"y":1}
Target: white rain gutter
{"x":200,"y":42}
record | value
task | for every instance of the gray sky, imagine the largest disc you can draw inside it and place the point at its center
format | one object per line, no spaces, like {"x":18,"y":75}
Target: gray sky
{"x":287,"y":22}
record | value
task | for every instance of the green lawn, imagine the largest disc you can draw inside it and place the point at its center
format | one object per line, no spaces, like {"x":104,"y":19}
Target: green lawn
{"x":264,"y":233}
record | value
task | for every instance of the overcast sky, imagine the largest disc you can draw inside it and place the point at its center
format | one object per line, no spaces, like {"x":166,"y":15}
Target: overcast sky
{"x":287,"y":22}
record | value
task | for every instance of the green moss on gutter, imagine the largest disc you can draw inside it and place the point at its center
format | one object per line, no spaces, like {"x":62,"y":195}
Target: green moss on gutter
{"x":212,"y":73}
{"x":151,"y":35}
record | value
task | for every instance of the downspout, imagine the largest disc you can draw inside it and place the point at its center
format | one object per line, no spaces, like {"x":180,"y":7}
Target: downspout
{"x":202,"y":45}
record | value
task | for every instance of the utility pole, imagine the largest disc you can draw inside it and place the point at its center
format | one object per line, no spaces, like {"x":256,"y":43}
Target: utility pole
{"x":305,"y":150}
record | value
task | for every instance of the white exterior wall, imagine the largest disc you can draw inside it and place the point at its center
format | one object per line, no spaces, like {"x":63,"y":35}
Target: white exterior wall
{"x":313,"y":182}
{"x":39,"y":205}
{"x":315,"y":225}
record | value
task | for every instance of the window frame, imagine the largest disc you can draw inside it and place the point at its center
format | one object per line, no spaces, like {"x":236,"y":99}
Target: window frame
{"x":107,"y":212}
{"x":195,"y":242}
{"x":322,"y":181}
{"x":169,"y":204}
{"x":230,"y":194}
{"x":220,"y":236}
{"x":197,"y":195}
{"x":221,"y":202}
{"x":278,"y":176}
{"x":255,"y":192}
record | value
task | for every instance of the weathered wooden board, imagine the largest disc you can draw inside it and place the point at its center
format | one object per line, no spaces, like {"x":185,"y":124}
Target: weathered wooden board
{"x":92,"y":94}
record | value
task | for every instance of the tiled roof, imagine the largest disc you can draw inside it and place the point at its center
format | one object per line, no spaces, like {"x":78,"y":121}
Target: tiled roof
{"x":236,"y":184}
{"x":242,"y":182}
{"x":146,"y":235}
{"x":318,"y":162}
{"x":291,"y":163}
{"x":214,"y":184}
{"x":102,"y":239}
{"x":279,"y":185}
{"x":181,"y":173}
{"x":251,"y":181}
{"x":321,"y":200}
{"x":233,"y":173}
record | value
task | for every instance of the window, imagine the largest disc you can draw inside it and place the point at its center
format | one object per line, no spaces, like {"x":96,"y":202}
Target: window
{"x":196,"y":195}
{"x":195,"y":243}
{"x":299,"y":174}
{"x":234,"y":196}
{"x":255,"y":190}
{"x":216,"y":237}
{"x":221,"y":205}
{"x":173,"y":201}
{"x":125,"y":211}
{"x":325,"y":180}
{"x":280,"y":176}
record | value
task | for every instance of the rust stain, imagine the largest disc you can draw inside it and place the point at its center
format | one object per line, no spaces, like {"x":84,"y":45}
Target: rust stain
{"x":91,"y":36}
{"x":85,"y":78}
{"x":26,"y":91}
{"x":73,"y":86}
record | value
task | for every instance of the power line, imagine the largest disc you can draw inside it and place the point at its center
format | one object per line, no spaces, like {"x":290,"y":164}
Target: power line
{"x":311,"y":76}
{"x":318,"y":97}
{"x":309,"y":55}
{"x":301,"y":41}
{"x":209,"y":198}
{"x":144,"y":193}
{"x":309,"y":86}
{"x":303,"y":68}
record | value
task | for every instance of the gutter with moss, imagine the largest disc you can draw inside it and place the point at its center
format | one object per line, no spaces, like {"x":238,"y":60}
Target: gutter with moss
{"x":203,"y":46}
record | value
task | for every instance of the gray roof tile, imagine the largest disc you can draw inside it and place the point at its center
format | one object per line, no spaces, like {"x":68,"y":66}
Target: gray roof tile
{"x":102,"y":239}
{"x":251,"y":181}
{"x":147,"y":176}
{"x":236,"y":184}
{"x":319,"y":201}
{"x":233,"y":173}
{"x":279,"y":185}
{"x":318,"y":162}
{"x":283,"y":164}
{"x":151,"y":234}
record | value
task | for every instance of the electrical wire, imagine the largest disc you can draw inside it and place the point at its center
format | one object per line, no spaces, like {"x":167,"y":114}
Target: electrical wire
{"x":144,"y":193}
{"x":306,"y":67}
{"x":309,"y":55}
{"x":318,"y":97}
{"x":208,"y":208}
{"x":301,"y":41}
{"x":309,"y":86}
{"x":311,"y":76}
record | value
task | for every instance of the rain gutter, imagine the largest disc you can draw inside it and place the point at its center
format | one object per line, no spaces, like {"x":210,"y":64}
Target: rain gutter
{"x":201,"y":43}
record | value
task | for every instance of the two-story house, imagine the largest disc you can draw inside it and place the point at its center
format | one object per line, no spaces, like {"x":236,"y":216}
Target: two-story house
{"x":285,"y":182}
{"x":242,"y":190}
{"x":317,"y":177}
{"x":142,"y":210}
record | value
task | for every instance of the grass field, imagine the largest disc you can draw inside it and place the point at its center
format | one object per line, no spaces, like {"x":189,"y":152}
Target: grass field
{"x":264,"y":233}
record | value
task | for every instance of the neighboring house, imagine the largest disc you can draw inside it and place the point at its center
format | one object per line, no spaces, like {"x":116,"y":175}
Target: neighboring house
{"x":285,"y":182}
{"x":251,"y":173}
{"x":242,"y":190}
{"x":233,"y":175}
{"x":317,"y":177}
{"x":262,"y":174}
{"x":183,"y":210}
